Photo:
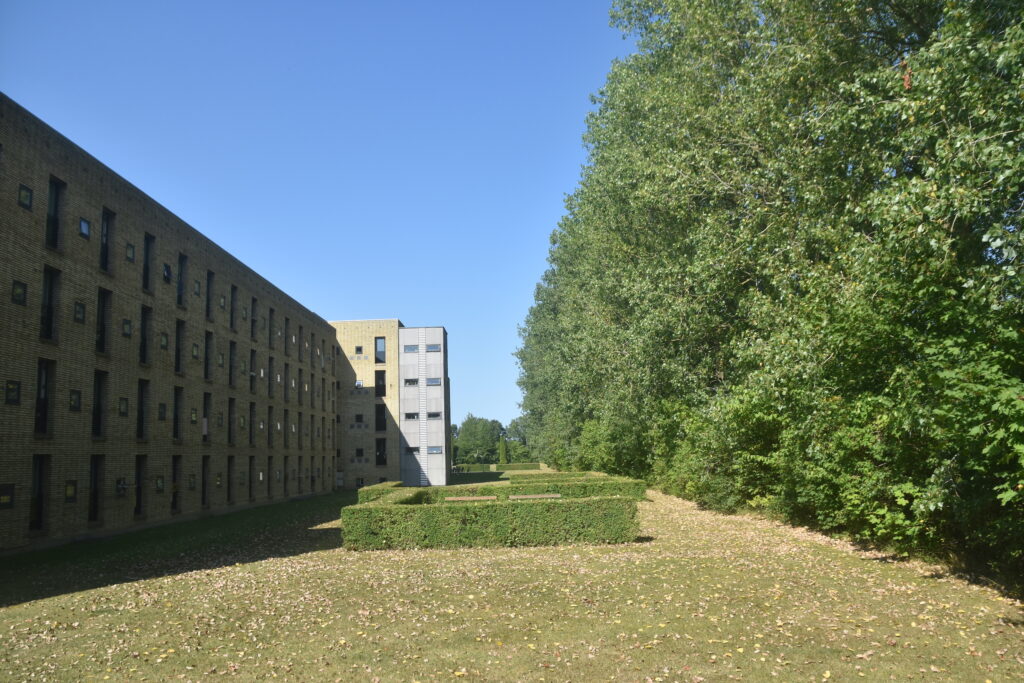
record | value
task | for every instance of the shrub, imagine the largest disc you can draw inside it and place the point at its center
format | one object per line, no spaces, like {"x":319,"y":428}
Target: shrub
{"x":575,"y":488}
{"x":520,"y":466}
{"x":401,"y":521}
{"x":369,"y":493}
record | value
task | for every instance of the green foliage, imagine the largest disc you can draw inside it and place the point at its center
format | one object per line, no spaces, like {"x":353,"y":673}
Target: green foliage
{"x":409,"y":522}
{"x":790,"y":275}
{"x":478,"y":467}
{"x":502,"y":451}
{"x":572,"y":488}
{"x":477,"y":440}
{"x":370,"y":493}
{"x":514,"y":466}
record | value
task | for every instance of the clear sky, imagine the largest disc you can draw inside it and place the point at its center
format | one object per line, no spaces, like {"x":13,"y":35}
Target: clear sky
{"x":299,"y":134}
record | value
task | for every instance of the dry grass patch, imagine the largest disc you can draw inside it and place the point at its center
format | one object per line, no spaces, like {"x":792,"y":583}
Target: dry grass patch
{"x":705,"y":596}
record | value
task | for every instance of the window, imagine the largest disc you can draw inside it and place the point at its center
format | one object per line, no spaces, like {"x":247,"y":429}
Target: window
{"x":106,"y":235}
{"x":252,"y":371}
{"x":209,"y":294}
{"x":126,"y":327}
{"x":207,"y":405}
{"x":359,"y":418}
{"x":75,"y":401}
{"x":179,"y":345}
{"x":103,"y":299}
{"x":233,"y":308}
{"x":182,"y":276}
{"x":433,"y":348}
{"x":99,"y":402}
{"x":380,"y":417}
{"x":147,"y":263}
{"x":129,"y":252}
{"x":142,"y":409}
{"x":412,"y":348}
{"x":231,"y":421}
{"x":359,"y":383}
{"x":84,"y":228}
{"x":379,"y":350}
{"x":253,"y":318}
{"x":433,"y":381}
{"x":54,"y":207}
{"x":95,"y":487}
{"x":270,"y":329}
{"x":79,"y":315}
{"x":359,"y":350}
{"x":412,"y":416}
{"x":380,"y":386}
{"x":164,"y":341}
{"x":433,"y":416}
{"x":45,"y":379}
{"x":287,"y":336}
{"x":25,"y":197}
{"x":12,"y":393}
{"x":145,"y":332}
{"x":122,"y":407}
{"x":412,"y":450}
{"x":232,"y":362}
{"x":48,"y":320}
{"x":411,"y":382}
{"x":359,"y":455}
{"x":381,"y":452}
{"x":207,"y":354}
{"x":168,"y":273}
{"x":19,"y":293}
{"x":434,"y":450}
{"x":39,"y":492}
{"x":195,"y":351}
{"x":140,"y":486}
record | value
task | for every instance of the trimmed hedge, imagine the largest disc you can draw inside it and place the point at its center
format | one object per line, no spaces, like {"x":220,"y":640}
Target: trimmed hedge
{"x":369,"y":493}
{"x":519,"y":466}
{"x":574,"y":488}
{"x":516,"y":477}
{"x":378,"y":524}
{"x":474,"y":468}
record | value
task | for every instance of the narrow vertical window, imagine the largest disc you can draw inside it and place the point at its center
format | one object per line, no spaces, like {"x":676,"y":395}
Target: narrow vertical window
{"x":95,"y":514}
{"x":379,"y":350}
{"x":270,"y":426}
{"x":48,"y":317}
{"x":140,"y":486}
{"x":204,"y":488}
{"x":270,"y":328}
{"x":233,"y":308}
{"x":287,"y":336}
{"x":287,"y":439}
{"x":270,"y":377}
{"x":148,"y":243}
{"x":207,"y":403}
{"x":252,"y":424}
{"x":145,"y":332}
{"x":106,"y":237}
{"x":179,"y":345}
{"x":300,"y":423}
{"x":232,"y":361}
{"x":99,"y":402}
{"x":252,"y":478}
{"x":39,"y":493}
{"x":270,"y":476}
{"x":298,"y":390}
{"x":231,"y":479}
{"x":54,"y":209}
{"x":44,"y":396}
{"x":380,"y":421}
{"x":252,"y":371}
{"x":287,"y":382}
{"x":231,"y":421}
{"x":380,"y":386}
{"x":182,"y":277}
{"x":381,"y":451}
{"x":103,"y":305}
{"x":207,"y":354}
{"x":253,"y":318}
{"x":209,"y":294}
{"x":179,"y":400}
{"x":142,"y":409}
{"x":175,"y":484}
{"x":302,"y":335}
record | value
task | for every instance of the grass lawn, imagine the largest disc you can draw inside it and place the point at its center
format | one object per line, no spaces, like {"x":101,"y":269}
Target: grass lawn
{"x":270,"y":593}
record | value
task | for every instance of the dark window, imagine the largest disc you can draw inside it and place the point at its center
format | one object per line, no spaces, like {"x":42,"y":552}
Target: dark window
{"x":299,"y":430}
{"x":99,"y":402}
{"x":142,"y":409}
{"x":182,"y":277}
{"x":287,"y":336}
{"x":379,"y":351}
{"x":233,"y":307}
{"x":179,"y":345}
{"x":103,"y":305}
{"x":270,"y":476}
{"x":270,"y":329}
{"x":381,"y":451}
{"x":147,"y":263}
{"x":380,"y":417}
{"x":270,"y":377}
{"x":145,"y":332}
{"x":359,"y":418}
{"x":287,"y":441}
{"x":175,"y":483}
{"x":433,"y":416}
{"x":252,"y":477}
{"x":48,"y":317}
{"x":95,"y":488}
{"x":359,"y":350}
{"x":301,"y":341}
{"x":106,"y":236}
{"x":270,"y":426}
{"x":231,"y":479}
{"x":252,"y":424}
{"x":54,"y":208}
{"x":411,"y":382}
{"x":287,"y":381}
{"x":44,"y":396}
{"x":207,"y":401}
{"x":287,"y":474}
{"x":232,"y":361}
{"x":253,"y":317}
{"x":178,"y":407}
{"x":412,"y":416}
{"x":12,"y":393}
{"x":231,"y":421}
{"x":39,"y":493}
{"x":25,"y":197}
{"x":300,"y":389}
{"x":140,"y":486}
{"x":204,"y":487}
{"x":209,"y":294}
{"x":79,"y":315}
{"x":207,"y":354}
{"x":380,"y":387}
{"x":252,"y":371}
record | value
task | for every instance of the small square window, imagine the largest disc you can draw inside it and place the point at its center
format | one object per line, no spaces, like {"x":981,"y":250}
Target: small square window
{"x":411,"y":382}
{"x":126,"y":327}
{"x":359,"y":383}
{"x":223,"y":301}
{"x":412,"y":416}
{"x":164,"y":340}
{"x":433,"y":348}
{"x":12,"y":393}
{"x":433,"y":381}
{"x":243,"y":366}
{"x":197,"y":288}
{"x":161,"y":411}
{"x":168,"y":274}
{"x":19,"y":292}
{"x":434,"y":450}
{"x":129,"y":252}
{"x":412,"y":348}
{"x":220,"y":360}
{"x":220,"y":419}
{"x":245,"y":312}
{"x":75,"y":400}
{"x":433,"y":416}
{"x":25,"y":197}
{"x":84,"y":228}
{"x":195,"y":351}
{"x":79,"y":312}
{"x":193,"y":416}
{"x":122,"y":407}
{"x":359,"y":350}
{"x":359,"y":417}
{"x":158,"y":484}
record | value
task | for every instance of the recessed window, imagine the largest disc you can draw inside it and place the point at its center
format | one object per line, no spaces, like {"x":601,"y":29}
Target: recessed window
{"x":359,"y":383}
{"x":411,"y":382}
{"x":359,"y":350}
{"x":129,"y":252}
{"x":12,"y":393}
{"x":126,"y":327}
{"x":433,"y":348}
{"x":434,"y":450}
{"x":412,"y":348}
{"x":168,"y":273}
{"x":433,"y":416}
{"x":379,"y":350}
{"x":412,"y":450}
{"x":161,"y":412}
{"x":223,"y":301}
{"x":25,"y":197}
{"x":84,"y":228}
{"x":412,"y":416}
{"x":359,"y":418}
{"x":19,"y":292}
{"x":71,"y":491}
{"x":197,"y":287}
{"x":75,"y":400}
{"x":433,"y":381}
{"x":122,"y":407}
{"x":195,"y":351}
{"x":164,"y":340}
{"x":79,"y":312}
{"x":193,"y":417}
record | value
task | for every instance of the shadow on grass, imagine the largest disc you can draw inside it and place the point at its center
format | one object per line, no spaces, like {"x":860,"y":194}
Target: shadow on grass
{"x":277,"y":530}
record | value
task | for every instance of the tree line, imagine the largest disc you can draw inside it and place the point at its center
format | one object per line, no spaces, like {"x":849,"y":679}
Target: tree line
{"x":789,"y":277}
{"x":479,"y":440}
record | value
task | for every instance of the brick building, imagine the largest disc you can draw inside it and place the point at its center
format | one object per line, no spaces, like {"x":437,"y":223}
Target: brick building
{"x":148,"y":374}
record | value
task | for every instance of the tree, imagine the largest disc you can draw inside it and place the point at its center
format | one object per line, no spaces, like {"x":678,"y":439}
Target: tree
{"x":477,"y":440}
{"x":502,"y":450}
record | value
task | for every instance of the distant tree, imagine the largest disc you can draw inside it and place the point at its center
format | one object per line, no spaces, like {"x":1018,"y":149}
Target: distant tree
{"x":477,"y":440}
{"x":502,"y":450}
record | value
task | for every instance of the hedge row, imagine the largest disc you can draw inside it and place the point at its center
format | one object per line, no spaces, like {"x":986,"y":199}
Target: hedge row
{"x":578,"y":488}
{"x":474,"y":468}
{"x":382,"y":524}
{"x":548,"y":476}
{"x":369,"y":493}
{"x":519,"y":466}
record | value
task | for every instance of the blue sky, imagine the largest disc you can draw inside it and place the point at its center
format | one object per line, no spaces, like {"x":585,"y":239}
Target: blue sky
{"x":299,"y":134}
